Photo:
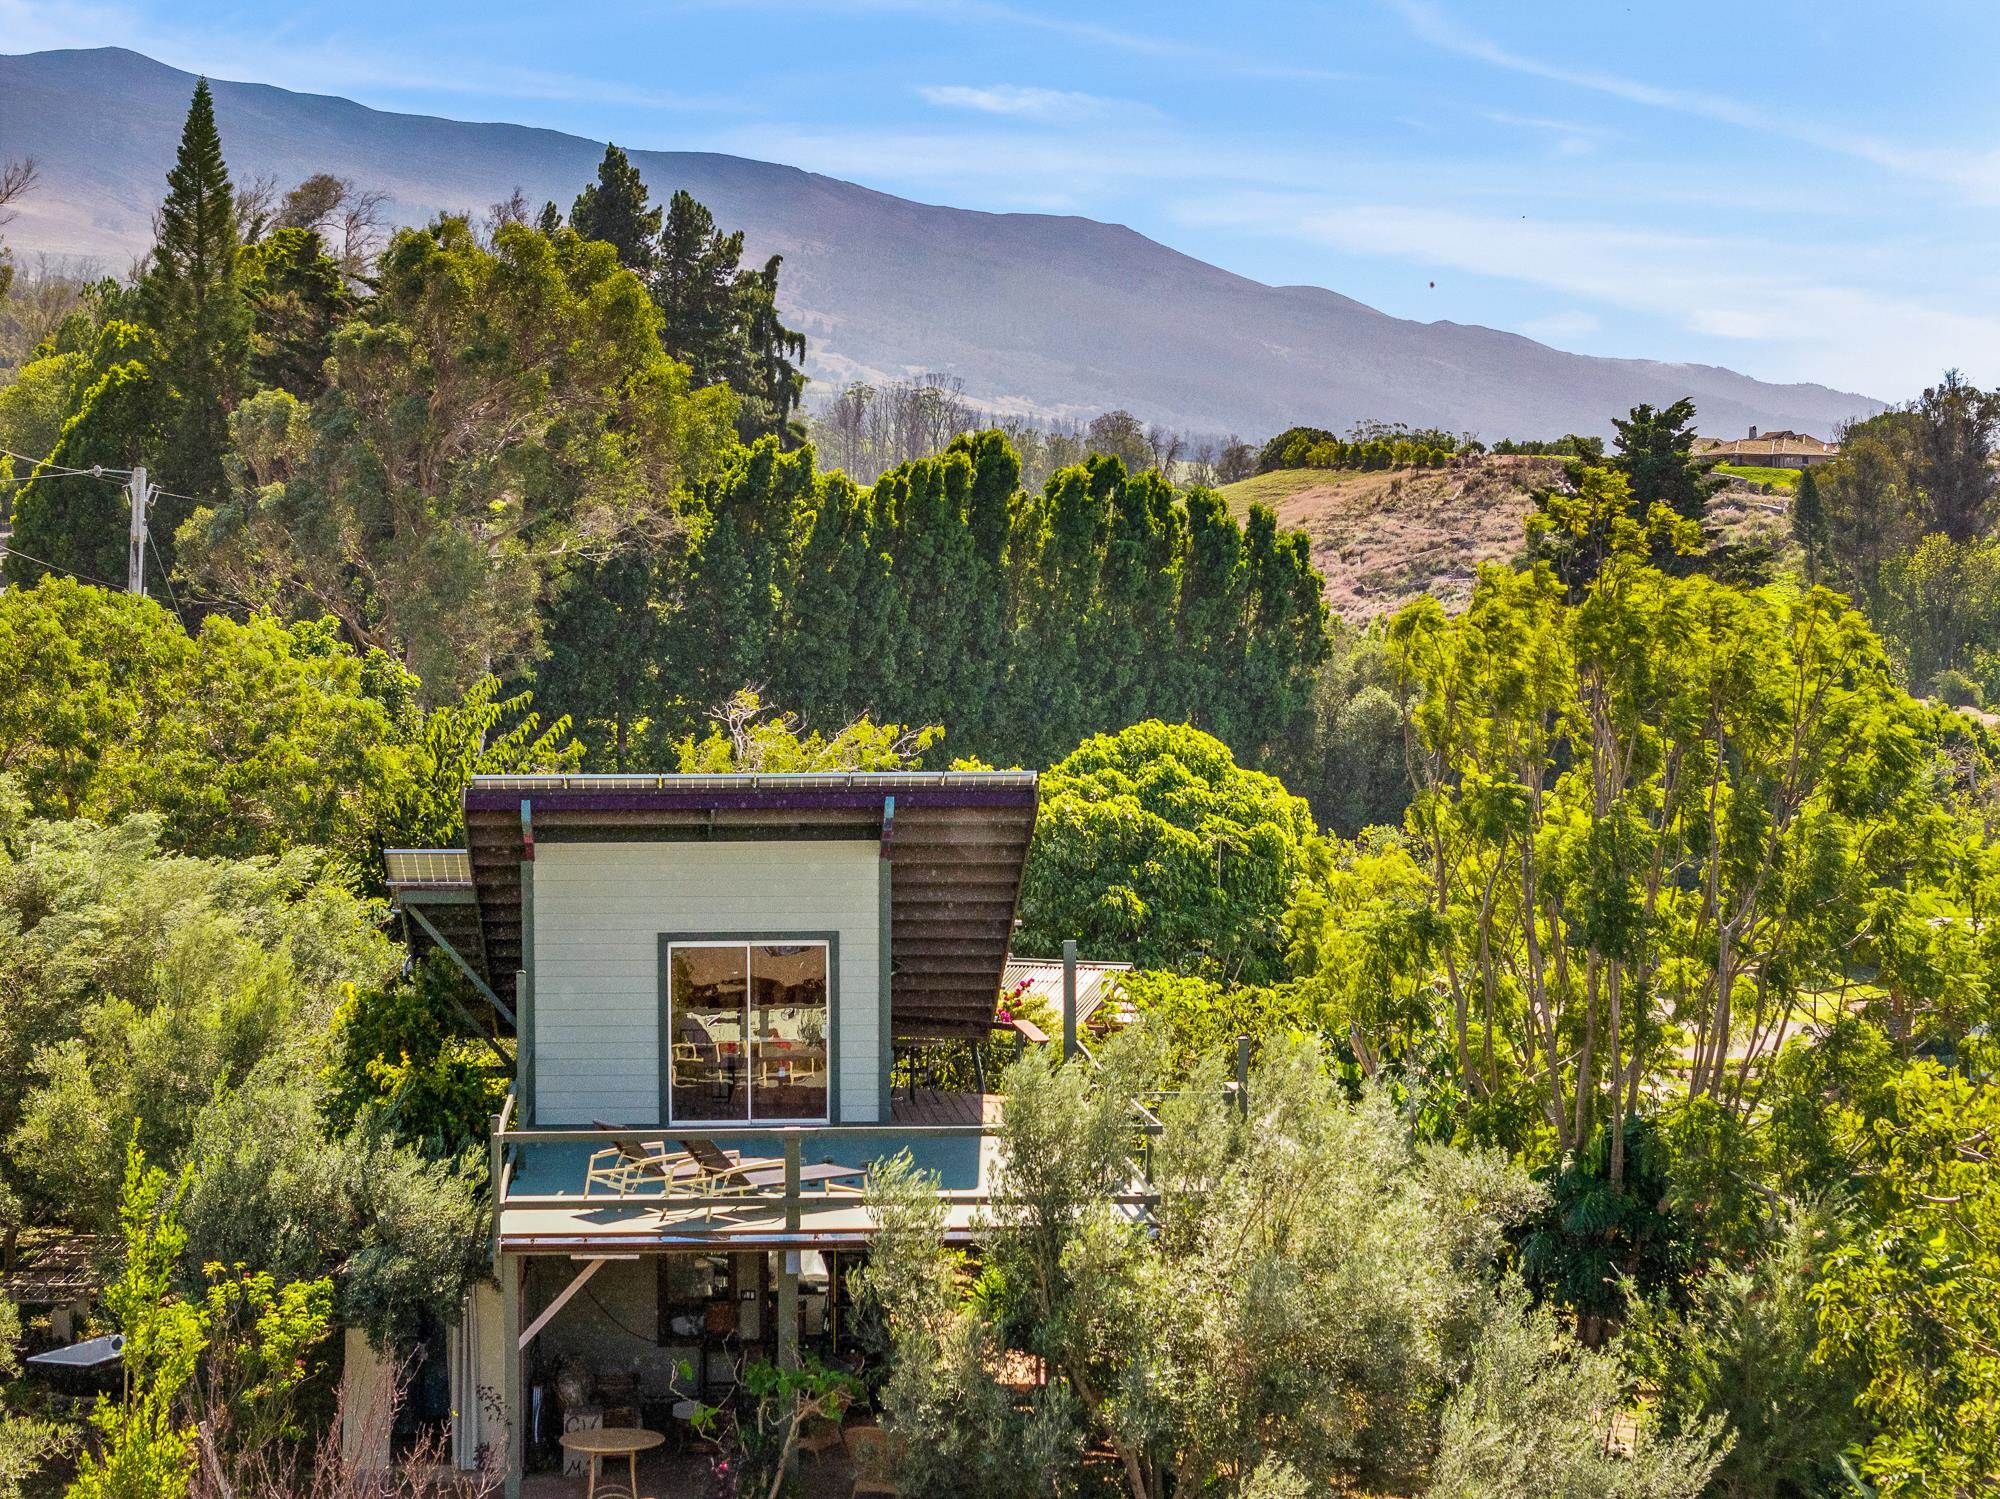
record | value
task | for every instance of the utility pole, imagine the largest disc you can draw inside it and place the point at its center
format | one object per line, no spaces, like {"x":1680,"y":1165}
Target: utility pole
{"x":135,"y":551}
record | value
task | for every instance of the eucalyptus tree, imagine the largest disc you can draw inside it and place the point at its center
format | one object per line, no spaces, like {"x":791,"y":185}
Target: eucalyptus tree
{"x":1652,"y":822}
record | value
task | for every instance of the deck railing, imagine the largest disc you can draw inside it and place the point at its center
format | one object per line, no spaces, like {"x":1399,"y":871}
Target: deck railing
{"x":789,"y":1198}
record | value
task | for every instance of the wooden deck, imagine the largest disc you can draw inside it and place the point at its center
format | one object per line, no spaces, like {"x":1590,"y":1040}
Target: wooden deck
{"x":945,"y":1108}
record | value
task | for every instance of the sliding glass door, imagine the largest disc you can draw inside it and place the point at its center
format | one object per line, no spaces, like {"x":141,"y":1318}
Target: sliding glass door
{"x":749,"y":1026}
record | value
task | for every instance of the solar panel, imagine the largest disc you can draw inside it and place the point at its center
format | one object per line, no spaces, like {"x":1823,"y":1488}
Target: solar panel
{"x":428,"y":866}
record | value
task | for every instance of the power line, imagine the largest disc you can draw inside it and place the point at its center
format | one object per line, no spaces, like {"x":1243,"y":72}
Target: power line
{"x":56,"y":567}
{"x":62,"y":470}
{"x":167,"y":578}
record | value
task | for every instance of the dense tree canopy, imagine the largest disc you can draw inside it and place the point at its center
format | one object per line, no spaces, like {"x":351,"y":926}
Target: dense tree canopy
{"x":1155,"y":846}
{"x":495,"y":412}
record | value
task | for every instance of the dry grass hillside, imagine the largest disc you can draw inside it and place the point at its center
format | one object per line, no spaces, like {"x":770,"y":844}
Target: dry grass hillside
{"x":1382,"y":538}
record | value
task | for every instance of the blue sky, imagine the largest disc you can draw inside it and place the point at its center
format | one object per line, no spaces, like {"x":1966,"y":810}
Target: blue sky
{"x":1799,"y":191}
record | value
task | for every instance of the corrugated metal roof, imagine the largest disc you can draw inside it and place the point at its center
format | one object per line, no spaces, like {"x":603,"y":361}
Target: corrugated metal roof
{"x":1043,"y":978}
{"x":845,"y":780}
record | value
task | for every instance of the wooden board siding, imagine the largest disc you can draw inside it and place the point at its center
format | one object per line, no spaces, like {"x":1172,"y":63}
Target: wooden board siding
{"x":955,"y":843}
{"x":599,"y":911}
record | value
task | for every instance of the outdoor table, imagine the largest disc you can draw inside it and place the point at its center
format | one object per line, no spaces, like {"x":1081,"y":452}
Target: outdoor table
{"x":612,"y":1441}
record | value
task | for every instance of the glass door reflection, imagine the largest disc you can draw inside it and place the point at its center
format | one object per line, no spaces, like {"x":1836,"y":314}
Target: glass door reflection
{"x":788,"y":1048}
{"x":709,"y":1003}
{"x":750,"y":1030}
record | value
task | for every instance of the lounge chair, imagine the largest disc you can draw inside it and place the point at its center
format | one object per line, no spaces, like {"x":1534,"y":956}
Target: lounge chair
{"x":628,"y":1167}
{"x":722,"y":1173}
{"x":725,"y":1170}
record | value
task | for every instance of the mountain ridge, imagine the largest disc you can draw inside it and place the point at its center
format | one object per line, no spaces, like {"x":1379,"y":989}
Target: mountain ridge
{"x":1053,"y":315}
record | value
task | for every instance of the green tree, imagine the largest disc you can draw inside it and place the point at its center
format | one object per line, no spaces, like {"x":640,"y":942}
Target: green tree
{"x":146,"y":1448}
{"x":399,"y":1233}
{"x":1911,"y":1296}
{"x":722,"y":321}
{"x":116,"y":415}
{"x":615,"y":209}
{"x":139,"y":983}
{"x":1593,"y":515}
{"x":1290,"y":1321}
{"x":192,"y":298}
{"x":498,"y":413}
{"x":768,"y":375}
{"x":26,"y":1442}
{"x":1809,"y":528}
{"x":402,"y":1050}
{"x":1872,"y":510}
{"x":605,"y":635}
{"x":1956,"y":426}
{"x":1747,"y":1352}
{"x":695,"y":286}
{"x":1938,"y":601}
{"x":1655,"y":453}
{"x":1154,"y":845}
{"x":1651,"y":802}
{"x":1533,"y":1421}
{"x":297,"y":296}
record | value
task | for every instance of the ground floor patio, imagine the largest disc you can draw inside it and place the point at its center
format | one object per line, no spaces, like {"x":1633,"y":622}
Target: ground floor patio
{"x":688,"y":1475}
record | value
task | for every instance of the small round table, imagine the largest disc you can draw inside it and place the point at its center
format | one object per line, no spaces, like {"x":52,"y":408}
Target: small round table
{"x":598,"y":1443}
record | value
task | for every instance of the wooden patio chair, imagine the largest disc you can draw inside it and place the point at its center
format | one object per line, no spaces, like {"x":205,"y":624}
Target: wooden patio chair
{"x":719,"y":1172}
{"x":873,"y":1456}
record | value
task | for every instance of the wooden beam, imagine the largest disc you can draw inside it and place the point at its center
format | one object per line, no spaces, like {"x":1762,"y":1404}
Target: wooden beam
{"x":590,"y":1268}
{"x":485,"y":989}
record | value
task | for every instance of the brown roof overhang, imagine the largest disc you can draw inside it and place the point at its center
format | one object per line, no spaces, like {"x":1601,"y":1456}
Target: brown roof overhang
{"x":955,"y":843}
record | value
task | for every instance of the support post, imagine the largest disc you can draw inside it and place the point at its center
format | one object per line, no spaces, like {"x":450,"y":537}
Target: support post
{"x":524,"y":1042}
{"x":788,"y":1264}
{"x":135,"y":545}
{"x":1069,"y":998}
{"x":513,"y":1408}
{"x":788,"y":1279}
{"x":1243,"y":1076}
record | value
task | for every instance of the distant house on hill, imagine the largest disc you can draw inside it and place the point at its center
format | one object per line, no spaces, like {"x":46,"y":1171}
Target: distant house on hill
{"x":1768,"y":450}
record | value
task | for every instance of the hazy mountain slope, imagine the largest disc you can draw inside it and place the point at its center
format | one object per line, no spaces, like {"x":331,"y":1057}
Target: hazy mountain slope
{"x":1032,"y":311}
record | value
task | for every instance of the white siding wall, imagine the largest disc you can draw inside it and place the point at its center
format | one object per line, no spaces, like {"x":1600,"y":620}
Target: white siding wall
{"x":599,"y":910}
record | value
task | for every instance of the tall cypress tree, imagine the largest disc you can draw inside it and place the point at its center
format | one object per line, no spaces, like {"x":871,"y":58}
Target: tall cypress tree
{"x":192,"y":298}
{"x":768,"y":377}
{"x":1210,"y":628}
{"x":614,"y":209}
{"x":989,"y":514}
{"x":1809,"y":525}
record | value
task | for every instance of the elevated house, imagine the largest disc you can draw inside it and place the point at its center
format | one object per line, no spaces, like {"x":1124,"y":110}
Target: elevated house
{"x":729,"y":994}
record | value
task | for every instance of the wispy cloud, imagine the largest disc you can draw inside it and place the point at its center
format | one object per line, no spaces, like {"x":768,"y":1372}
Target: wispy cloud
{"x":1567,"y":137}
{"x":1563,"y":327}
{"x":320,"y":65}
{"x":1155,"y":43}
{"x":1026,"y":102}
{"x":1974,"y":174}
{"x":1790,"y":304}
